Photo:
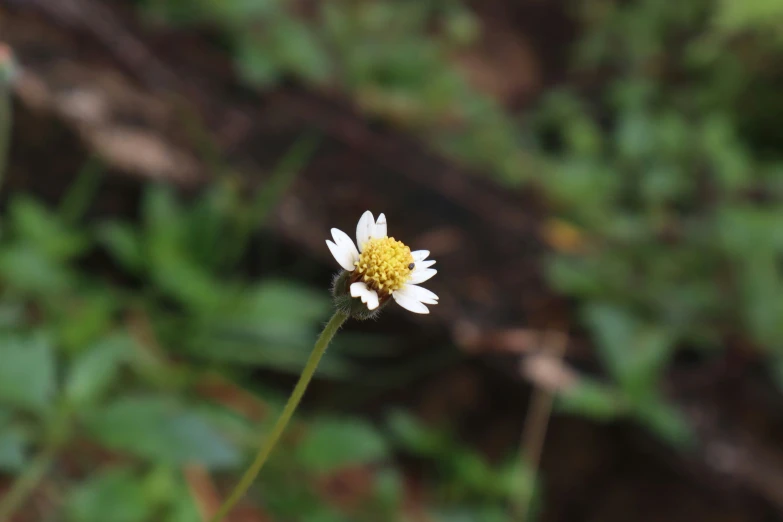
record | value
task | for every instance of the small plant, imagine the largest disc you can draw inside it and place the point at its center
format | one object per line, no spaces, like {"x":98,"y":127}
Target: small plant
{"x":381,"y":269}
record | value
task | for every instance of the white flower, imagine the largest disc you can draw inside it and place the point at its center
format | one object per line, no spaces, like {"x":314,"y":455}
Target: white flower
{"x":382,"y":267}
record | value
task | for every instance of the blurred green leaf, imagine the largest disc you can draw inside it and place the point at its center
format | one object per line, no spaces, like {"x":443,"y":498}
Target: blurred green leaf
{"x":124,"y":244}
{"x":634,"y":352}
{"x":94,"y":371}
{"x":176,"y":274}
{"x":12,"y":314}
{"x":593,"y":399}
{"x":297,"y":48}
{"x":270,"y":324}
{"x":255,"y":63}
{"x":730,"y":161}
{"x":752,"y":237}
{"x":414,"y":436}
{"x":331,"y":444}
{"x":615,"y":331}
{"x":634,"y":135}
{"x":583,"y":137}
{"x":211,"y":221}
{"x":651,"y":354}
{"x":27,"y":269}
{"x":389,"y":489}
{"x":749,"y":15}
{"x":27,"y":372}
{"x":674,"y":136}
{"x":575,"y":276}
{"x":286,"y":301}
{"x":161,"y":484}
{"x":664,"y":183}
{"x":462,"y":26}
{"x":162,"y":430}
{"x":13,"y":443}
{"x":472,"y":473}
{"x":172,"y":267}
{"x":257,"y":211}
{"x":163,"y":215}
{"x":81,"y":193}
{"x":112,"y":495}
{"x":666,"y":421}
{"x":87,"y":319}
{"x":264,"y":344}
{"x":516,"y":478}
{"x":183,"y":508}
{"x":45,"y":230}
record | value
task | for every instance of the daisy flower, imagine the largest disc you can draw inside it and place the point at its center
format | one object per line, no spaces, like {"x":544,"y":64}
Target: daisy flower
{"x":382,"y":267}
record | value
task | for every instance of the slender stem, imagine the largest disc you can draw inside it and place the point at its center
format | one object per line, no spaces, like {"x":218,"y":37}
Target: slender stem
{"x":536,"y":424}
{"x":271,"y":439}
{"x":27,"y":482}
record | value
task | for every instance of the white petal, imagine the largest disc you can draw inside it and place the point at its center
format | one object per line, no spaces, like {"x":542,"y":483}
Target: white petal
{"x":420,"y":255}
{"x":364,"y":229}
{"x":421,"y":265}
{"x":419,"y":276}
{"x":341,"y":255}
{"x":410,"y":304}
{"x":368,"y":296}
{"x":372,"y":301}
{"x":417,"y":293}
{"x":345,"y":245}
{"x":344,"y":241}
{"x":380,"y":227}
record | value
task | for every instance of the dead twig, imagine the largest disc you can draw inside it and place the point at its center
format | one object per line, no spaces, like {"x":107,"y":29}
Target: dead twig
{"x":536,"y":423}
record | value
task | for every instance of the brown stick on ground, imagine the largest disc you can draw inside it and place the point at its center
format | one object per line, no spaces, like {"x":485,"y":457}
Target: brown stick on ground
{"x":534,"y":434}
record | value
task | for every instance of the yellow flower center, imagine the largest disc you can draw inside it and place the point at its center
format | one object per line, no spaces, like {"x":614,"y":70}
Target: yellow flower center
{"x":385,"y":264}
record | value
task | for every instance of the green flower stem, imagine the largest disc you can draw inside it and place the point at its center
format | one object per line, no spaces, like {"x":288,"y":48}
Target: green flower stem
{"x":271,"y":439}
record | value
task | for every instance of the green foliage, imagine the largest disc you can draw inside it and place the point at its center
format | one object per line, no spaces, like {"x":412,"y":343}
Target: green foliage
{"x":663,"y":179}
{"x":113,"y":495}
{"x":381,"y":53}
{"x":270,"y":323}
{"x":86,"y":359}
{"x":750,"y":16}
{"x":123,"y":494}
{"x":13,"y":443}
{"x":27,"y":375}
{"x":89,"y":362}
{"x":93,"y":372}
{"x":469,"y":483}
{"x":655,"y":166}
{"x":331,"y":444}
{"x":634,"y":353}
{"x":594,"y":399}
{"x":667,"y":163}
{"x":161,"y":430}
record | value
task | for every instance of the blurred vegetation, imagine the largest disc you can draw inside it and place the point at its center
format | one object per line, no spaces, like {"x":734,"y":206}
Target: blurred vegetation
{"x":93,"y":366}
{"x":138,"y":360}
{"x":661,"y":156}
{"x":668,"y":166}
